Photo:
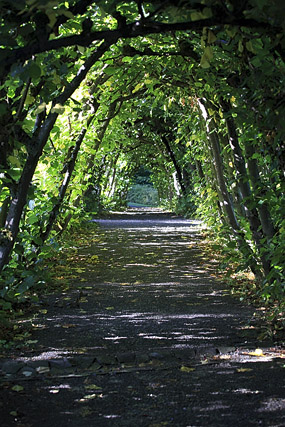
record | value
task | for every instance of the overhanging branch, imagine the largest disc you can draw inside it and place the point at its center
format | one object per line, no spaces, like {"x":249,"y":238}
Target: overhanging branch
{"x":133,"y":30}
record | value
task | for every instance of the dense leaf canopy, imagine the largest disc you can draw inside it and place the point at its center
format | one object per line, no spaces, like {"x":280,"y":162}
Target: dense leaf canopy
{"x":191,"y":90}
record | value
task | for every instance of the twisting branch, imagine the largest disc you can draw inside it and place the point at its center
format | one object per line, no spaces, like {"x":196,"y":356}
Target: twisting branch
{"x":141,"y":10}
{"x":23,"y":99}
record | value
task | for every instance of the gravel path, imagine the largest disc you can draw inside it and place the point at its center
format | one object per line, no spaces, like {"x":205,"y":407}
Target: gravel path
{"x":146,"y":336}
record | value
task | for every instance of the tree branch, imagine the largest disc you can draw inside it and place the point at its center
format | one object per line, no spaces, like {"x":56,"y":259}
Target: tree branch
{"x":133,"y":30}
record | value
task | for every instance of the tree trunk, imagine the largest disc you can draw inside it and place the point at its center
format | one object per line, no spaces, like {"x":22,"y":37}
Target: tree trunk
{"x":61,"y":194}
{"x":99,"y":139}
{"x":264,"y":214}
{"x":175,"y":164}
{"x":227,"y":202}
{"x":243,"y":183}
{"x":37,"y":144}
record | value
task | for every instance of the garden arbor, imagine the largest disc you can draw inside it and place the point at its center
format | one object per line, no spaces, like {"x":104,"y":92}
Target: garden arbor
{"x":199,"y":85}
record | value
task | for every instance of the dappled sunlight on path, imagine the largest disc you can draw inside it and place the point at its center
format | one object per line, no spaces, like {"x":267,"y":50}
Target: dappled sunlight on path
{"x":145,"y":335}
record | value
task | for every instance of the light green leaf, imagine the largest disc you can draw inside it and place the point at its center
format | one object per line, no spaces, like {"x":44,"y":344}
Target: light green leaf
{"x":32,"y":219}
{"x":207,"y":13}
{"x":249,"y":46}
{"x":110,"y":70}
{"x":58,"y":108}
{"x":17,"y":388}
{"x":138,"y":87}
{"x":127,"y":59}
{"x":240,"y":46}
{"x":29,"y":99}
{"x":204,"y":62}
{"x":40,"y":108}
{"x":93,"y":387}
{"x":81,"y":49}
{"x":211,"y":37}
{"x":68,"y":14}
{"x":231,"y":31}
{"x":186,"y":369}
{"x":209,"y":53}
{"x":14,"y":161}
{"x":52,"y":17}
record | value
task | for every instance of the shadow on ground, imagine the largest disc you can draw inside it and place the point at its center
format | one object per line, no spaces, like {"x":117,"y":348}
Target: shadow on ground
{"x":145,"y":336}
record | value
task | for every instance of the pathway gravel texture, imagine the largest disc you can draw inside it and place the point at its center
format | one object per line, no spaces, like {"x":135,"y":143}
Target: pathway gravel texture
{"x":145,"y":337}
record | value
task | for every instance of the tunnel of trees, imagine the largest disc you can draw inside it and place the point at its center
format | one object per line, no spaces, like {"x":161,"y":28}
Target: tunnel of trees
{"x":191,"y":90}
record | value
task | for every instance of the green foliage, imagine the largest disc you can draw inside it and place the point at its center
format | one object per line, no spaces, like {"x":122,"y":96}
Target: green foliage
{"x":144,"y":195}
{"x":140,"y":104}
{"x":186,"y":206}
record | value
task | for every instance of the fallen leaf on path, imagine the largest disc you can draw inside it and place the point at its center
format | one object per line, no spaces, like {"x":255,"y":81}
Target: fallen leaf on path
{"x":186,"y":369}
{"x":244,"y":370}
{"x":17,"y":388}
{"x":163,"y":423}
{"x":88,"y":397}
{"x":257,"y":352}
{"x":93,"y":387}
{"x":223,"y":357}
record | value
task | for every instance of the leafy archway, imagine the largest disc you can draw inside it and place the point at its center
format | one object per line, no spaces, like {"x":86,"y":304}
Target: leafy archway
{"x":194,"y":88}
